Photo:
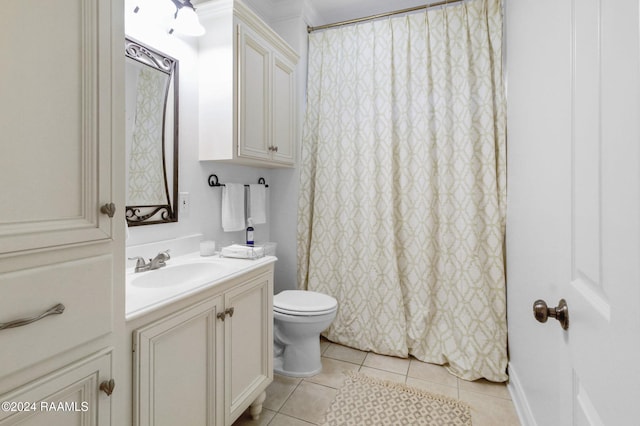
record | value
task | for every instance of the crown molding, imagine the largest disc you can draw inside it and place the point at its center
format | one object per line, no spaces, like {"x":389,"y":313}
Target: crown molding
{"x":284,"y":10}
{"x":270,"y":11}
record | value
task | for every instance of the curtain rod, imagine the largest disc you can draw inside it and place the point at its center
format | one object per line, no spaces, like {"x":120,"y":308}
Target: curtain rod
{"x":382,"y":15}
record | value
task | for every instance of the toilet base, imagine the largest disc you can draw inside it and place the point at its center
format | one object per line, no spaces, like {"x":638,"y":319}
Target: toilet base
{"x":298,"y":360}
{"x":295,"y":374}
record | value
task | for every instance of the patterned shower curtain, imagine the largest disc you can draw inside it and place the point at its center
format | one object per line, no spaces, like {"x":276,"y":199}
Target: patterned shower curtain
{"x":402,"y":203}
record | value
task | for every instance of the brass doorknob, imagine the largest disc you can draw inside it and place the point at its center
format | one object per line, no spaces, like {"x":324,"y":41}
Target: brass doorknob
{"x":560,"y":312}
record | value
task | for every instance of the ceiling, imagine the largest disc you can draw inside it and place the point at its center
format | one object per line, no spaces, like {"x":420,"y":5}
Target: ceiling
{"x":330,"y":11}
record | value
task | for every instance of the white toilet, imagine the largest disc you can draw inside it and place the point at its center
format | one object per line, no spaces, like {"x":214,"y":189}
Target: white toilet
{"x":298,"y":319}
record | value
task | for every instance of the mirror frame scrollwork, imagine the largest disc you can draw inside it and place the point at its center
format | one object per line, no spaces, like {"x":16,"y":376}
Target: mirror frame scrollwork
{"x":162,"y":213}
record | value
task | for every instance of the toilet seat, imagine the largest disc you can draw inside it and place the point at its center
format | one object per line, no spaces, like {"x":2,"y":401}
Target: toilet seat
{"x":303,"y":303}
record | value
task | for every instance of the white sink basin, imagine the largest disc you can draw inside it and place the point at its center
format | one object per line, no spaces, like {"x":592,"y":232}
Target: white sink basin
{"x":180,"y":274}
{"x":183,"y":276}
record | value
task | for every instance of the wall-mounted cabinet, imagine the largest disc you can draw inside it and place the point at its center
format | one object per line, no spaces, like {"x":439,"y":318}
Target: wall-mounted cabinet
{"x":247,"y":89}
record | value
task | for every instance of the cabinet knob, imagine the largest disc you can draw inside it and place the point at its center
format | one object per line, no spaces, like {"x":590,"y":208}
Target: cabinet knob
{"x":108,"y":386}
{"x":223,"y":315}
{"x":109,"y":209}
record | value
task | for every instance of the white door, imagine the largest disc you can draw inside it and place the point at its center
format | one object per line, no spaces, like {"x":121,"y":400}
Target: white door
{"x":574,"y":209}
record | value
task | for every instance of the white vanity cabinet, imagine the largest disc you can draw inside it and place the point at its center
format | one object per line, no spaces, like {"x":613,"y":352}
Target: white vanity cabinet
{"x":247,"y":89}
{"x":61,"y":245}
{"x":204,"y":360}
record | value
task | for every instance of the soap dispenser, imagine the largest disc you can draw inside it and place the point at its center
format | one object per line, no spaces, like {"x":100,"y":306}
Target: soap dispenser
{"x":249,"y":232}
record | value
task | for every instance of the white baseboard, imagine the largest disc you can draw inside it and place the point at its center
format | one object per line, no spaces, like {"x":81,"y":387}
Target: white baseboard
{"x":519,"y":399}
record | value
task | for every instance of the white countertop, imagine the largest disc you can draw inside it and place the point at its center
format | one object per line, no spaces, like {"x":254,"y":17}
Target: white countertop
{"x":142,"y":298}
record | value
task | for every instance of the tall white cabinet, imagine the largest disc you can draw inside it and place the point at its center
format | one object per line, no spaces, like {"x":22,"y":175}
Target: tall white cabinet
{"x":247,"y":89}
{"x":61,"y":245}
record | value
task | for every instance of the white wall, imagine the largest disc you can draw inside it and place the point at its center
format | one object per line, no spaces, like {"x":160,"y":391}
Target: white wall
{"x":289,"y":19}
{"x":203,"y":216}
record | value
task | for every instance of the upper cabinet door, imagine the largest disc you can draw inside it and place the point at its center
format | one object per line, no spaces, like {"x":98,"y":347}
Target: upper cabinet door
{"x":254,"y":63}
{"x":56,"y":121}
{"x":283,"y":110}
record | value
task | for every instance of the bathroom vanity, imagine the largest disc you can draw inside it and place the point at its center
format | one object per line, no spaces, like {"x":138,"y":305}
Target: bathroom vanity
{"x":202,"y":339}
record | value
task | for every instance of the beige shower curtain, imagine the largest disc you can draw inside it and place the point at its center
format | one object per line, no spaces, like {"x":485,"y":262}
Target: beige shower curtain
{"x":402,"y":204}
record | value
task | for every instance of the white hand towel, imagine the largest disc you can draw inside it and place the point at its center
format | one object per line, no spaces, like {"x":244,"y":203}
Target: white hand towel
{"x":233,"y":207}
{"x":258,"y":203}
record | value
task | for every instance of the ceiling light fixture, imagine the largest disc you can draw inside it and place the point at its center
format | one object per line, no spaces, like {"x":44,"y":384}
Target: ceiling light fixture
{"x":186,"y":21}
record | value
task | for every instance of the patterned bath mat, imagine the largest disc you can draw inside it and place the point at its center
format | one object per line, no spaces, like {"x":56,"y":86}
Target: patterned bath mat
{"x":363,"y":400}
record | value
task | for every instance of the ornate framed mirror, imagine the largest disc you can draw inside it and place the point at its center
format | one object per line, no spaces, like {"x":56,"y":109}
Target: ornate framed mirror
{"x":151,"y":110}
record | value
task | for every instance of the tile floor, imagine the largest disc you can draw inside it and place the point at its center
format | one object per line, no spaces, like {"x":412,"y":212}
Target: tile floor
{"x":302,"y":402}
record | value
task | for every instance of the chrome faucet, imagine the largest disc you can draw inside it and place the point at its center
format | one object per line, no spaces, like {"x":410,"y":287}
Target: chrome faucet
{"x":160,"y":260}
{"x":156,"y":263}
{"x":141,"y":265}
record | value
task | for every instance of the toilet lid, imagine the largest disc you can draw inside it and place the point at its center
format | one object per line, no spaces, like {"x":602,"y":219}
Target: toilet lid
{"x":303,"y":302}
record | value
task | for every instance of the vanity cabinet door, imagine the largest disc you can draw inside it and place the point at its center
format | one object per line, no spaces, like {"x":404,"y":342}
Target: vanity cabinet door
{"x":248,"y":344}
{"x":177,"y":369}
{"x":70,"y":396}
